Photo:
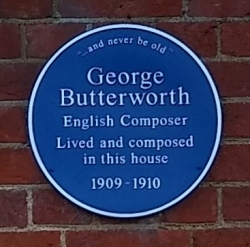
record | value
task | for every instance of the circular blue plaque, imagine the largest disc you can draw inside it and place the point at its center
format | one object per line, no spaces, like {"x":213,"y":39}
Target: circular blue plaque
{"x":124,"y":120}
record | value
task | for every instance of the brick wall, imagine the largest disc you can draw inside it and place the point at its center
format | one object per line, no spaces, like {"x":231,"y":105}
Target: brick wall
{"x":32,"y":214}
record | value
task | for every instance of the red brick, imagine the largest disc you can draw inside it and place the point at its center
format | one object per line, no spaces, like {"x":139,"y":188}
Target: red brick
{"x":152,"y":219}
{"x":236,"y":204}
{"x":30,"y":239}
{"x":13,"y":209}
{"x":26,"y":8}
{"x":51,"y":208}
{"x":10,"y":42}
{"x":222,"y":238}
{"x":219,"y":8}
{"x":16,"y":80}
{"x":236,"y":120}
{"x":201,"y":37}
{"x":235,"y":38}
{"x":232,"y":164}
{"x":45,"y":39}
{"x":142,"y":238}
{"x":232,"y":78}
{"x":200,"y":206}
{"x":12,"y":124}
{"x":124,"y":8}
{"x":19,"y":167}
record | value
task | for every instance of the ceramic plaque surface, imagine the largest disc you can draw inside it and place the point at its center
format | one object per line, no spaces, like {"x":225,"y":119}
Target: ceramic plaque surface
{"x":124,"y":120}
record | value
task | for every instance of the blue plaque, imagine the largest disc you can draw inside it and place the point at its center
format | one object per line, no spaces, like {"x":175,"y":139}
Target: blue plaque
{"x":124,"y":120}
